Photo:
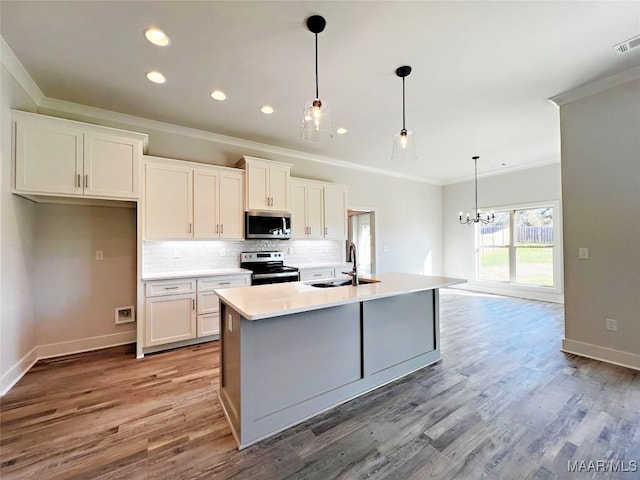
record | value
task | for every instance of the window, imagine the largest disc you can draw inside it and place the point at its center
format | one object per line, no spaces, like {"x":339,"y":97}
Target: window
{"x":518,"y":247}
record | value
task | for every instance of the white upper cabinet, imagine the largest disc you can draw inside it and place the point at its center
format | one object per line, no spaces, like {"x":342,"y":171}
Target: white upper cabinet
{"x":168,"y":202}
{"x":60,"y":157}
{"x":182,"y":201}
{"x":267,"y":184}
{"x":335,"y":212}
{"x":318,"y":210}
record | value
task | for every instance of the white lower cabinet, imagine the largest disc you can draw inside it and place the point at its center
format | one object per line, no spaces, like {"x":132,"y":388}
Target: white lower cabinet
{"x":209,"y":304}
{"x":170,"y":318}
{"x":185,"y":308}
{"x":316,"y":273}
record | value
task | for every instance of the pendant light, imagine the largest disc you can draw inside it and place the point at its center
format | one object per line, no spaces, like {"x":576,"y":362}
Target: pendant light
{"x":404,"y":146}
{"x":316,"y":118}
{"x":477,"y":218}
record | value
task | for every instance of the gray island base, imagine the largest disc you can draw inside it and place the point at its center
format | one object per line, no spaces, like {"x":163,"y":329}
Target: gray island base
{"x":279,"y":370}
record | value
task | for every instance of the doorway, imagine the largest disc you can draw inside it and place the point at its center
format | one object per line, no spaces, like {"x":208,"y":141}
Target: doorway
{"x":361,"y":231}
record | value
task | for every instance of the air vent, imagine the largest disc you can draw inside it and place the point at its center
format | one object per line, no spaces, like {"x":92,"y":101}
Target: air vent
{"x":627,"y":45}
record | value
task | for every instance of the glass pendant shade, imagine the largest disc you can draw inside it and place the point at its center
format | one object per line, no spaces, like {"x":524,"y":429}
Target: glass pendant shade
{"x":316,"y":121}
{"x":404,"y":146}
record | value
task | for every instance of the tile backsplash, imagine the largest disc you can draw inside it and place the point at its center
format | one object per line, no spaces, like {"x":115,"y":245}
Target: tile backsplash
{"x":194,"y":255}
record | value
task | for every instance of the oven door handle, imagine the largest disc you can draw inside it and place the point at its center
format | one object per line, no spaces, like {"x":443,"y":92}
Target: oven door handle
{"x":275,"y":275}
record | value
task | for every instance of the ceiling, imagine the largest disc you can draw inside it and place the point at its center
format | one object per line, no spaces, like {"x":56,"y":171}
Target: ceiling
{"x":482,"y":71}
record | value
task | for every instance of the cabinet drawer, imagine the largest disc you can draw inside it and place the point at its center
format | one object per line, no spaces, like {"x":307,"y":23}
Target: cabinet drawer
{"x":170,"y":287}
{"x":208,"y":303}
{"x":208,"y":325}
{"x":211,"y":283}
{"x":316,"y":273}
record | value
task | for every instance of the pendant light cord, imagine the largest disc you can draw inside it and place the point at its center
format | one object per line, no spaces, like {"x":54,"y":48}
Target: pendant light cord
{"x":475,"y":160}
{"x":317,"y":96}
{"x":403,"y":122}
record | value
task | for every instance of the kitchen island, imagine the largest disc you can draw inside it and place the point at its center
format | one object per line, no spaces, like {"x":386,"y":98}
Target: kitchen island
{"x":291,"y":350}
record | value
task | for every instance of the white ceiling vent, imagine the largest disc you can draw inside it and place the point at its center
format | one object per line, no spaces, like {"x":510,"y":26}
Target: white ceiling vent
{"x":627,"y":45}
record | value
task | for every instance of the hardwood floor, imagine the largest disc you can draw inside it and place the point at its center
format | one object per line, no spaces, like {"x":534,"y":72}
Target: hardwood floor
{"x":503,"y":403}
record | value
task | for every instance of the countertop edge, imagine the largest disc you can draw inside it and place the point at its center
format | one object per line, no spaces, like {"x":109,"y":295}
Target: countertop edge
{"x":151,"y":277}
{"x":320,"y":306}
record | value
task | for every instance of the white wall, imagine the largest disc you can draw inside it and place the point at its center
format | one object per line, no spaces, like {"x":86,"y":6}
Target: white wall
{"x":77,"y":294}
{"x":531,"y":186}
{"x":601,"y":186}
{"x":17,"y":246}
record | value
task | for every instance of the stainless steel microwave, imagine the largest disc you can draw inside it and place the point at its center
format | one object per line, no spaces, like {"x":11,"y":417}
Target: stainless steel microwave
{"x":274,"y":225}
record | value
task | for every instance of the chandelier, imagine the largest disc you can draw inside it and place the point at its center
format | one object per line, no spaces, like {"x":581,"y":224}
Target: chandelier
{"x":489,"y":218}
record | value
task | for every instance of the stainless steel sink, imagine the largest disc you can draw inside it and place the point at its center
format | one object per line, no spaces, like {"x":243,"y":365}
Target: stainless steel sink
{"x":342,"y":283}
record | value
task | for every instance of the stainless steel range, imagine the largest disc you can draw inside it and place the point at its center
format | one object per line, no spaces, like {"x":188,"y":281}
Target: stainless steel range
{"x":268,"y":267}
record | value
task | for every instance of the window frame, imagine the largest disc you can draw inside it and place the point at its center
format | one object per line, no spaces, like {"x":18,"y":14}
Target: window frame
{"x":558,"y":283}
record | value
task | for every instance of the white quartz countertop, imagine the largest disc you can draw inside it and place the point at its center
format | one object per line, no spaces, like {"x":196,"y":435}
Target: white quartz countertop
{"x":195,"y":273}
{"x":265,"y":301}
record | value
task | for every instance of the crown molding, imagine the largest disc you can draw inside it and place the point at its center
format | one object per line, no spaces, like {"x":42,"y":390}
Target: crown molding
{"x":504,"y":171}
{"x":19,"y":73}
{"x":596,"y":87}
{"x":145,"y":123}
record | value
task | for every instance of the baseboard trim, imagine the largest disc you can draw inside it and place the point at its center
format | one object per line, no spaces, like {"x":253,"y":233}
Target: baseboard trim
{"x":15,"y":373}
{"x":608,"y":355}
{"x":85,"y":344}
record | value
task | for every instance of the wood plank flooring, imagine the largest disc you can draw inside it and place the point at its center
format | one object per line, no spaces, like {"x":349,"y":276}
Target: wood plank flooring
{"x":503,"y":403}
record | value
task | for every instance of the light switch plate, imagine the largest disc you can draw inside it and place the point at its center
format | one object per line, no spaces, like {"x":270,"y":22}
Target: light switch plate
{"x":99,"y":254}
{"x":583,"y":253}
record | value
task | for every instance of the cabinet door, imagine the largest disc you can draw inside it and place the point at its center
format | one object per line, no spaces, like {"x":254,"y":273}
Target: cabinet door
{"x":257,"y":186}
{"x":205,"y":204}
{"x":315,"y":207}
{"x":279,"y":188}
{"x":170,"y":318}
{"x":111,"y":166}
{"x":168,"y":200}
{"x":231,"y":206}
{"x":299,"y":225}
{"x":48,"y":156}
{"x":208,"y":325}
{"x":335,"y":213}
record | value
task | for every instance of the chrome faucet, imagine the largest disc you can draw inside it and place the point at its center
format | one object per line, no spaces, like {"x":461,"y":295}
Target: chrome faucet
{"x":352,"y":258}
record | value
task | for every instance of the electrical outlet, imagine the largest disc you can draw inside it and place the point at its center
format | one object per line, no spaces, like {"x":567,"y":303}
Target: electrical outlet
{"x":611,"y":325}
{"x":385,"y":248}
{"x":290,"y":250}
{"x":176,"y":253}
{"x":223,"y":252}
{"x":99,"y":254}
{"x":583,"y":253}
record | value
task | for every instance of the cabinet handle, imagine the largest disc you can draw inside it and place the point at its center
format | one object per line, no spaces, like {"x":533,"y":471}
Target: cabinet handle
{"x":325,"y":230}
{"x":189,"y":228}
{"x":217,"y":228}
{"x":86,"y":181}
{"x":317,"y":274}
{"x":79,"y":181}
{"x":171,"y":288}
{"x":309,"y":230}
{"x":221,"y":228}
{"x":224,"y":283}
{"x":193,"y":304}
{"x":272,"y":201}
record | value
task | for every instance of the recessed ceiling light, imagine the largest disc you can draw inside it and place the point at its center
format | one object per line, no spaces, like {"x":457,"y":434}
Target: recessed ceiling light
{"x":157,"y":37}
{"x":341,"y":131}
{"x":267,"y":109}
{"x":156,"y":77}
{"x":218,"y":95}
